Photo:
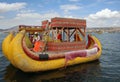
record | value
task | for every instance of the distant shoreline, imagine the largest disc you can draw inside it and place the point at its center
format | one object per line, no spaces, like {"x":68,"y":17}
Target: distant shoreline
{"x":89,"y":30}
{"x":106,"y":29}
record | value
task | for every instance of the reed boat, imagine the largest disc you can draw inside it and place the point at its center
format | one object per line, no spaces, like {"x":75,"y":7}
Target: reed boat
{"x":53,"y":52}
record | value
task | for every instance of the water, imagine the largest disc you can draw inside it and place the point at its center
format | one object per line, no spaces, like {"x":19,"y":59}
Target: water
{"x":107,"y":68}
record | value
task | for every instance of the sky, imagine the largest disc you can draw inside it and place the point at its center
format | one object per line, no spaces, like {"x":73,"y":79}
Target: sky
{"x":98,"y":13}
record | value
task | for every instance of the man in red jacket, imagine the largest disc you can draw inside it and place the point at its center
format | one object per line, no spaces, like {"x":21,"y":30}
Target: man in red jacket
{"x":59,"y":36}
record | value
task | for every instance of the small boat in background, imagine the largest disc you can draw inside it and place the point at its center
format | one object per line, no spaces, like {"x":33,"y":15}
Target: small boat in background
{"x":62,"y":43}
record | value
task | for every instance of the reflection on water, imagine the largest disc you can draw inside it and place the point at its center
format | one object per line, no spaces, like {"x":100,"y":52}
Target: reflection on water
{"x":77,"y":73}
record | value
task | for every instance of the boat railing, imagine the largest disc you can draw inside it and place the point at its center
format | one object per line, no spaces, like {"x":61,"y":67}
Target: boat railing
{"x":65,"y":46}
{"x":31,"y":28}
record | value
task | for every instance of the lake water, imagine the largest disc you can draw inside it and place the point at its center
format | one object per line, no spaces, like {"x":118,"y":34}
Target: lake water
{"x":106,"y":69}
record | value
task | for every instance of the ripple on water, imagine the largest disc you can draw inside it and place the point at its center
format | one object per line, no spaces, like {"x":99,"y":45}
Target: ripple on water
{"x":107,"y":69}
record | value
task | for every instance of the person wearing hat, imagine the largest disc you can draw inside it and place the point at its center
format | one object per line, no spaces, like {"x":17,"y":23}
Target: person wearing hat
{"x":36,"y":37}
{"x":37,"y":43}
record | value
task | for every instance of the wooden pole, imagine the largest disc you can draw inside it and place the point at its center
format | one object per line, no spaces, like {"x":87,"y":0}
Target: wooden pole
{"x":83,"y":33}
{"x":67,"y":35}
{"x":52,"y":34}
{"x":72,"y":33}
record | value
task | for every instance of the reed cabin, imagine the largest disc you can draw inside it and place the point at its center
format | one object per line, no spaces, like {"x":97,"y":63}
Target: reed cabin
{"x":72,"y":33}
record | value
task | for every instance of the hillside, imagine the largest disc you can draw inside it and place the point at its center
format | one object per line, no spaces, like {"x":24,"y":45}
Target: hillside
{"x":15,"y":29}
{"x":1,"y":30}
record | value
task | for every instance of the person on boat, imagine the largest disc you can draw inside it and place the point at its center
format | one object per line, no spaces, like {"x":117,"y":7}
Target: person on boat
{"x":59,"y":36}
{"x":45,"y":36}
{"x":36,"y":37}
{"x":38,"y":44}
{"x":31,"y":37}
{"x":76,"y":37}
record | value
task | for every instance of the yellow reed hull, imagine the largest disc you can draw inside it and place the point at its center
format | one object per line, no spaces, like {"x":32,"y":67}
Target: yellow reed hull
{"x":18,"y":58}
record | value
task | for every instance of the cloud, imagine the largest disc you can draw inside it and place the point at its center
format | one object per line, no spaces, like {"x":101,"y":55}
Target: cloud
{"x":1,"y":17}
{"x":69,"y":16}
{"x":27,"y":18}
{"x":69,"y":7}
{"x":36,"y":15}
{"x":104,"y":18}
{"x":27,"y":15}
{"x":26,"y":11}
{"x":6,"y":7}
{"x":50,"y":15}
{"x":106,"y":13}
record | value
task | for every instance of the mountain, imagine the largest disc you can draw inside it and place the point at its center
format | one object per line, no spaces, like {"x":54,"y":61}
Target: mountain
{"x":15,"y":29}
{"x":1,"y":30}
